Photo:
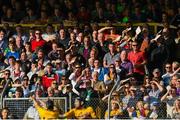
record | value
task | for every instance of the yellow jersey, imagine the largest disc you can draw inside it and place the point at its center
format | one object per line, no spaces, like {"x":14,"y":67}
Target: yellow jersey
{"x":47,"y":114}
{"x":86,"y":113}
{"x":113,"y":113}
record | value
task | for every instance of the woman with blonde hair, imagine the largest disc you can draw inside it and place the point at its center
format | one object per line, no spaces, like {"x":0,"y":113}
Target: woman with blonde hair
{"x":176,"y":109}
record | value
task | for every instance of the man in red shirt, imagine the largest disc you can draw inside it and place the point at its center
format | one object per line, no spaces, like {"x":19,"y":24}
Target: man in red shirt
{"x":138,"y":60}
{"x":49,"y":76}
{"x":37,"y":41}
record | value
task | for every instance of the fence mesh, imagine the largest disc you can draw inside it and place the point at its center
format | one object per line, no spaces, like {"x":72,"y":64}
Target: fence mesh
{"x":18,"y":107}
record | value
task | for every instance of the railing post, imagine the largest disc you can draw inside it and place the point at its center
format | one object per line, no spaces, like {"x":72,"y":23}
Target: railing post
{"x":109,"y":97}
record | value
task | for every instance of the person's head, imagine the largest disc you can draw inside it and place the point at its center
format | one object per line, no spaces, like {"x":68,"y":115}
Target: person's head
{"x":173,"y":91}
{"x":23,"y":56}
{"x":80,"y":37}
{"x":12,"y":46}
{"x":54,"y":46}
{"x":147,"y":80}
{"x":100,"y":37}
{"x":28,"y":46}
{"x":25,"y":80}
{"x":4,"y":113}
{"x":37,"y":34}
{"x":111,"y":47}
{"x":78,"y":68}
{"x":153,"y":85}
{"x":19,"y":29}
{"x":2,"y":34}
{"x":86,"y":41}
{"x":177,"y":104}
{"x":139,"y":105}
{"x":18,"y":92}
{"x":95,"y":34}
{"x":156,"y":73}
{"x":72,"y":36}
{"x":112,"y":68}
{"x":40,"y":54}
{"x":17,"y":65}
{"x":64,"y":80}
{"x":49,"y":28}
{"x":95,"y":75}
{"x":93,"y":53}
{"x":135,"y":46}
{"x":62,"y":33}
{"x":49,"y":105}
{"x":91,"y":62}
{"x":114,"y":105}
{"x":50,"y":92}
{"x":168,"y":67}
{"x":174,"y":79}
{"x":96,"y":63}
{"x":68,"y":57}
{"x":12,"y":60}
{"x":49,"y":67}
{"x":123,"y":55}
{"x":175,"y":65}
{"x":7,"y":74}
{"x":78,"y":102}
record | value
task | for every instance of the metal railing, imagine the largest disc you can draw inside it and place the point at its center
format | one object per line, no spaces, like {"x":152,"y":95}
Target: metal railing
{"x":19,"y":106}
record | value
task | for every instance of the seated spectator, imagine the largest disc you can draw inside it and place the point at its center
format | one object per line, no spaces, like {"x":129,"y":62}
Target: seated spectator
{"x":169,"y":98}
{"x":155,"y":91}
{"x":111,"y":77}
{"x":116,"y":111}
{"x":176,"y":109}
{"x":88,"y":93}
{"x":5,"y":114}
{"x":12,"y":51}
{"x":98,"y":85}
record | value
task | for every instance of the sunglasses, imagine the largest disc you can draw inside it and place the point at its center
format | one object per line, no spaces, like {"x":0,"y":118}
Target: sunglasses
{"x":134,"y":45}
{"x":168,"y":67}
{"x":7,"y":73}
{"x":37,"y":33}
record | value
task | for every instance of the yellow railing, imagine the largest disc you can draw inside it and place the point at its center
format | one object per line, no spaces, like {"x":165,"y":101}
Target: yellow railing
{"x":72,"y":24}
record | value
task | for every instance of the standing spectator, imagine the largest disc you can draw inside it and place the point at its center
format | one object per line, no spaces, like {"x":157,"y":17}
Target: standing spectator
{"x":138,"y":60}
{"x":54,"y":54}
{"x":167,"y":76}
{"x":125,"y":63}
{"x":154,"y":93}
{"x":101,"y":70}
{"x":84,"y":50}
{"x":111,"y":56}
{"x":49,"y":76}
{"x":3,"y":41}
{"x":37,"y":41}
{"x":28,"y":50}
{"x":49,"y":35}
{"x":169,"y":98}
{"x":63,"y":40}
{"x":19,"y":33}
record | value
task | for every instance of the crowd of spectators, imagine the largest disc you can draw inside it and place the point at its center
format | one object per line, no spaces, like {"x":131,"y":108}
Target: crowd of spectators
{"x":55,"y":11}
{"x":86,"y":61}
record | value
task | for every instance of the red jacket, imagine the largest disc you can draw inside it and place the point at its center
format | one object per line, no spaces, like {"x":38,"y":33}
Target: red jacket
{"x":35,"y":44}
{"x":47,"y":80}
